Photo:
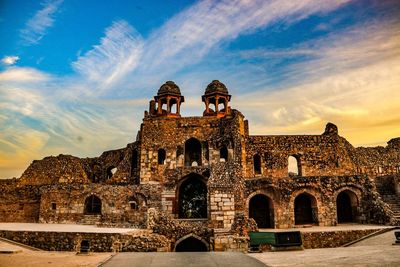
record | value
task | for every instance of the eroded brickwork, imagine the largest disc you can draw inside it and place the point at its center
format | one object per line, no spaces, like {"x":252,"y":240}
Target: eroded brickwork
{"x":206,"y":178}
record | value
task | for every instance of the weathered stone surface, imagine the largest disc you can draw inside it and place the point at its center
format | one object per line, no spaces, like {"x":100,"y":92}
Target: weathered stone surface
{"x":140,"y":185}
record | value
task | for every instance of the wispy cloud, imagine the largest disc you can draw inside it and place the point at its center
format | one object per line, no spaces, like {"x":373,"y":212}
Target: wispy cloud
{"x":19,"y":74}
{"x":9,"y":60}
{"x":37,"y":27}
{"x":186,"y":38}
{"x":352,"y":77}
{"x":118,"y":53}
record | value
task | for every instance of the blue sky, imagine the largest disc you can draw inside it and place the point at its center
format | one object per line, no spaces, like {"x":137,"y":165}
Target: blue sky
{"x":76,"y":76}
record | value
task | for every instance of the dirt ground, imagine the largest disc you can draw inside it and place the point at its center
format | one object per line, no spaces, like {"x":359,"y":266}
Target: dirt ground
{"x":25,"y":258}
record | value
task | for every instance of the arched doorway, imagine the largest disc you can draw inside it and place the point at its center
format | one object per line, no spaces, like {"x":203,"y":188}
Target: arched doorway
{"x":192,"y":198}
{"x":191,"y":244}
{"x":261,"y":210}
{"x":346,"y":206}
{"x":192,"y":152}
{"x":92,"y":205}
{"x":305,"y":209}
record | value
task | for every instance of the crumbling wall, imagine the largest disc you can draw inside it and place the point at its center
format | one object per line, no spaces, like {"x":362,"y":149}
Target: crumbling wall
{"x":19,"y":203}
{"x":317,"y":154}
{"x":66,"y":204}
{"x":282,"y":193}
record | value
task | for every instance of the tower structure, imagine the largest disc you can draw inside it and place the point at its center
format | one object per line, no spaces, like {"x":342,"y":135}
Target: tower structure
{"x":216,"y":95}
{"x":167,"y":102}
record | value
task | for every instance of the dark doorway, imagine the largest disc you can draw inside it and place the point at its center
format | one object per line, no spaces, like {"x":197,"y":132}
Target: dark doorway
{"x":305,"y":210}
{"x":191,"y":244}
{"x":93,"y":205}
{"x":85,"y":246}
{"x":192,"y":196}
{"x":260,"y":211}
{"x":192,"y":152}
{"x":344,"y":208}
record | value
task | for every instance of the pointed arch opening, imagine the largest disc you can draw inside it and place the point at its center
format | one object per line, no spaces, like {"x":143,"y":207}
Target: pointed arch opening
{"x":192,"y":152}
{"x":191,"y":244}
{"x":92,"y":205}
{"x":262,"y":211}
{"x":346,"y":206}
{"x":294,"y":166}
{"x":192,"y":198}
{"x":305,"y":209}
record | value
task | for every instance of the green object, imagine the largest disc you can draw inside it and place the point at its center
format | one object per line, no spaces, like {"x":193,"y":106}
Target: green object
{"x":276,"y":239}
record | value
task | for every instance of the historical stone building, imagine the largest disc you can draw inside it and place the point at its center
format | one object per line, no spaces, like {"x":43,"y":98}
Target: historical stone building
{"x":196,"y":181}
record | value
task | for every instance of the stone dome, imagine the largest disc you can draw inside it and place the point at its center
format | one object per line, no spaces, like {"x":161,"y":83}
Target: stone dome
{"x":216,"y":87}
{"x":169,"y":87}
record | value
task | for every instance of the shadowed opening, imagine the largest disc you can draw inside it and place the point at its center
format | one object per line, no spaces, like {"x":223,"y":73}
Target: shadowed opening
{"x":257,"y":164}
{"x":191,"y":244}
{"x":192,"y":152}
{"x":192,"y":198}
{"x":93,"y":205}
{"x":346,"y":206}
{"x":261,"y":210}
{"x":305,"y":209}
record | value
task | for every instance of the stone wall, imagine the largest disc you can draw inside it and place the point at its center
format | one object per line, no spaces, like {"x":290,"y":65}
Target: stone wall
{"x":66,"y":203}
{"x":99,"y":242}
{"x":332,"y":239}
{"x":282,"y":194}
{"x":19,"y":203}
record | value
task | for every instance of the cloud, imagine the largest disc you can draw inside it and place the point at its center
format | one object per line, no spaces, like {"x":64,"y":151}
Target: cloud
{"x":349,"y":79}
{"x":36,"y":27}
{"x":184,"y":40}
{"x":9,"y":60}
{"x":192,"y":33}
{"x":118,"y":53}
{"x":17,"y":74}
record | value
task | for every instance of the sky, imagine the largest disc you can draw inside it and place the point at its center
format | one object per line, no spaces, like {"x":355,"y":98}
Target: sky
{"x":76,"y":76}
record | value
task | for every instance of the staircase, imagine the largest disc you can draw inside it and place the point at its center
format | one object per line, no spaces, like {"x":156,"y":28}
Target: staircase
{"x":394,"y":203}
{"x":91,"y":219}
{"x":386,"y":189}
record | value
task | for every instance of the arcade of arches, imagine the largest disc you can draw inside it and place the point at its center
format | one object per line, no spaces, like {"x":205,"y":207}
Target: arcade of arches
{"x":261,"y":209}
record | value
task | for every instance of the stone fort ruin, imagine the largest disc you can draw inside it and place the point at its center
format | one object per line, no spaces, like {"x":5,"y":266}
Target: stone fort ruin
{"x":203,"y":182}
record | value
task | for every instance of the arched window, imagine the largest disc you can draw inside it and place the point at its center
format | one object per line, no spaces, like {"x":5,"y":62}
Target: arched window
{"x":192,"y":198}
{"x":192,"y":152}
{"x":161,"y":156}
{"x":294,"y":166}
{"x":346,"y":206}
{"x":305,"y":209}
{"x":111,"y":171}
{"x":261,"y":210}
{"x":92,"y":205}
{"x":257,"y":164}
{"x":223,"y":153}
